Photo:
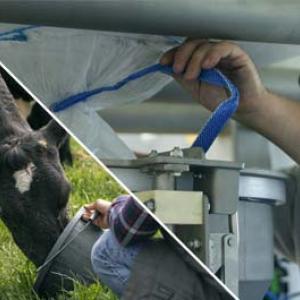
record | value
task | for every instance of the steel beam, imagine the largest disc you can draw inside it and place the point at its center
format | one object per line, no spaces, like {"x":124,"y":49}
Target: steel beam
{"x":156,"y":118}
{"x":264,"y":21}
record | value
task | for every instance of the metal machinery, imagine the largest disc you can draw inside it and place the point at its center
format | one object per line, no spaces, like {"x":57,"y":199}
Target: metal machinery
{"x":221,"y":211}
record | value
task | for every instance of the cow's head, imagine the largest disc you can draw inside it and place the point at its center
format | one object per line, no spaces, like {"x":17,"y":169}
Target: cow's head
{"x":33,"y":189}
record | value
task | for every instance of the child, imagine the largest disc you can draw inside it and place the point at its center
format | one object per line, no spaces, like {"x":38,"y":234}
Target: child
{"x":129,"y":228}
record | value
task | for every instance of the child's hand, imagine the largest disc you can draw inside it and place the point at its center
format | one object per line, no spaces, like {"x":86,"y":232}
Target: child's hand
{"x":102,"y":207}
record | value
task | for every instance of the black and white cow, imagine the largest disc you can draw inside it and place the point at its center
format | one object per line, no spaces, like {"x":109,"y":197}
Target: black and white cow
{"x":33,"y":188}
{"x":36,"y":116}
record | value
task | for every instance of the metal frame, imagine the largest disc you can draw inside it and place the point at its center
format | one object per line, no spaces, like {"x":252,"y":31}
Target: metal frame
{"x":264,"y":21}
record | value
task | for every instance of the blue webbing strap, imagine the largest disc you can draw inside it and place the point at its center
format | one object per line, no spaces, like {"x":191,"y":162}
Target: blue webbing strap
{"x":81,"y":97}
{"x":17,"y":34}
{"x":222,"y":113}
{"x":212,"y":127}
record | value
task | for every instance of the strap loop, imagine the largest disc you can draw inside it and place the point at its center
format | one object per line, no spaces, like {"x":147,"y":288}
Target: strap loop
{"x":221,"y":114}
{"x":17,"y":34}
{"x":214,"y":124}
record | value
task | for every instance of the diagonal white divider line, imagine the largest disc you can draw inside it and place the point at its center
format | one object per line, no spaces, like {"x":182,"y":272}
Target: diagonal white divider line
{"x":196,"y":259}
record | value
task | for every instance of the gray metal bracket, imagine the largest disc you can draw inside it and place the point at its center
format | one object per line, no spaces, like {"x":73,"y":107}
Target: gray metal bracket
{"x":230,"y":262}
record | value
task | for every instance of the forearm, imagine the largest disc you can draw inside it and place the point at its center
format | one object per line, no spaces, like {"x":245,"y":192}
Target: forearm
{"x":278,"y":119}
{"x":130,"y":222}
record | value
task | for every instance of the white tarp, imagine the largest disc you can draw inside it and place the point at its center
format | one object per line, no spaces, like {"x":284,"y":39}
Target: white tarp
{"x":57,"y":63}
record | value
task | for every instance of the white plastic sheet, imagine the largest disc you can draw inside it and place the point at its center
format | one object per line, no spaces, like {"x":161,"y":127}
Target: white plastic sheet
{"x":57,"y":63}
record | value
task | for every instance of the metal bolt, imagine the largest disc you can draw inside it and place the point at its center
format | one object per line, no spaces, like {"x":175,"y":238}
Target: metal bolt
{"x":230,"y":242}
{"x":153,"y":153}
{"x":195,"y":244}
{"x":197,"y":175}
{"x":208,"y":207}
{"x":177,"y":174}
{"x":151,"y":204}
{"x":176,"y":152}
{"x":211,"y":245}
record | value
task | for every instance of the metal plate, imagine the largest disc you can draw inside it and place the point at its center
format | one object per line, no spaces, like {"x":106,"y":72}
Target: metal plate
{"x":254,"y":185}
{"x":262,"y":186}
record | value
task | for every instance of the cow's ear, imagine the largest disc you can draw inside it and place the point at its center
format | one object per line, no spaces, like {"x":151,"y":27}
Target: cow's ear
{"x":54,"y":133}
{"x":11,"y":121}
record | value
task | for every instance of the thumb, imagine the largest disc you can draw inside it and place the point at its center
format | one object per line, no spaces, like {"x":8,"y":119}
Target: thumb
{"x":90,"y":207}
{"x":101,"y":206}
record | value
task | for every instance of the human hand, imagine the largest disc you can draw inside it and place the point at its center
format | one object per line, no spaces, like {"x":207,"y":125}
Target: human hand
{"x":194,"y":55}
{"x":102,"y":207}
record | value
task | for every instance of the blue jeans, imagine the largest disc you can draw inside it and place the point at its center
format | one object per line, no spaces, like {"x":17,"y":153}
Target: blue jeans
{"x":112,"y":262}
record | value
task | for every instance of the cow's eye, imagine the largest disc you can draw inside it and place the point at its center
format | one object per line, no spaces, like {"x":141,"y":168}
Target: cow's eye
{"x":40,"y":149}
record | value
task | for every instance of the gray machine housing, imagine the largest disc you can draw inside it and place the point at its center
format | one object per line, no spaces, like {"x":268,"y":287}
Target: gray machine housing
{"x":235,"y":235}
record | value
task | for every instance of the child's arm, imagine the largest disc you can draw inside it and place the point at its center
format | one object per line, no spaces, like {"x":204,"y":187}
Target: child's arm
{"x":129,"y":222}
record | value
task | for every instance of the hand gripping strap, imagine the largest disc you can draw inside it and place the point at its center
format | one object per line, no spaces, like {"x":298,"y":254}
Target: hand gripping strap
{"x":213,"y":125}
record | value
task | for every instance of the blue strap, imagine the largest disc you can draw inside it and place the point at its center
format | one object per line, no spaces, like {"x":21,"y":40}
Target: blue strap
{"x":17,"y":34}
{"x":221,"y":114}
{"x":213,"y":126}
{"x":81,"y":97}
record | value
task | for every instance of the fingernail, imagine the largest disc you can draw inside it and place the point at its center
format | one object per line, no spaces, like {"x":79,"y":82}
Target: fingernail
{"x":177,"y":69}
{"x":163,"y":61}
{"x":207,"y":64}
{"x":188,"y":76}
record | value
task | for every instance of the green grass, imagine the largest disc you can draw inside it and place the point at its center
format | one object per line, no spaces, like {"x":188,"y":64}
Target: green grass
{"x":17,"y":274}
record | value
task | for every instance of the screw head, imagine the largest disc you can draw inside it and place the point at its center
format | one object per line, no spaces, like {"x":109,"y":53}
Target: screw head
{"x":151,"y":204}
{"x":153,"y":153}
{"x":177,"y":174}
{"x":208,"y":207}
{"x":176,"y":152}
{"x":230,"y":242}
{"x":197,"y":175}
{"x":195,"y":244}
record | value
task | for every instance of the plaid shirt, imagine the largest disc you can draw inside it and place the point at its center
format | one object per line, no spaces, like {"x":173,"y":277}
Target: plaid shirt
{"x":129,"y":222}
